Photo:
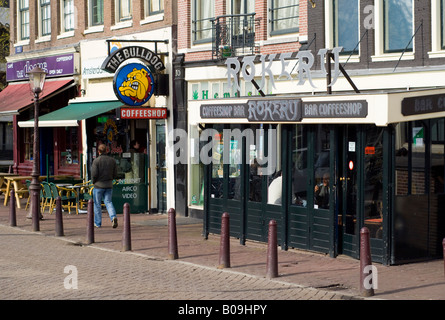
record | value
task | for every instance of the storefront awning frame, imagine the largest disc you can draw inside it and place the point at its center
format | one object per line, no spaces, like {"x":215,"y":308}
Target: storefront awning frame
{"x":383,"y":108}
{"x":70,"y":115}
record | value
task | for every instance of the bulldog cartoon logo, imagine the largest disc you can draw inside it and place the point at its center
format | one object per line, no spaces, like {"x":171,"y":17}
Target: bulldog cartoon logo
{"x":134,"y":84}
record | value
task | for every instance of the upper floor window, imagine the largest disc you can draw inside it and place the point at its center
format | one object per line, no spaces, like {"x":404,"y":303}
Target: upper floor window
{"x":346,"y":25}
{"x":203,"y":12}
{"x":96,"y":10}
{"x":23,"y":19}
{"x":68,"y":15}
{"x":154,"y":7}
{"x":284,"y":16}
{"x":123,"y":9}
{"x":45,"y":17}
{"x":397,"y":25}
{"x":243,"y":6}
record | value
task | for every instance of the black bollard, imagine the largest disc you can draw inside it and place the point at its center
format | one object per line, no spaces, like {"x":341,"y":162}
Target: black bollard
{"x":90,"y":222}
{"x":272,"y":252}
{"x":366,"y":286}
{"x":172,"y":236}
{"x":12,"y":211}
{"x":59,"y":219}
{"x":224,"y":247}
{"x":126,"y":235}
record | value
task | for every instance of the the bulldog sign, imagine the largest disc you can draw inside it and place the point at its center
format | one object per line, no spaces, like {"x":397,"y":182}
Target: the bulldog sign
{"x":133,"y":83}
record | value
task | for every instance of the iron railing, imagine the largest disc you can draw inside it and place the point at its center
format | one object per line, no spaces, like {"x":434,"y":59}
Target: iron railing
{"x":234,"y":35}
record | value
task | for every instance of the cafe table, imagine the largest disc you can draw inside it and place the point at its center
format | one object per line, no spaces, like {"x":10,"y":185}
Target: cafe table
{"x":15,"y":182}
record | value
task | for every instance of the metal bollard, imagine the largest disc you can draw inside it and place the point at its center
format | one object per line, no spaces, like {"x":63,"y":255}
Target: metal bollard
{"x":272,"y":252}
{"x":224,"y":247}
{"x":172,"y":235}
{"x":366,"y":289}
{"x":90,"y":222}
{"x":126,"y":236}
{"x":59,"y":219}
{"x":12,"y":211}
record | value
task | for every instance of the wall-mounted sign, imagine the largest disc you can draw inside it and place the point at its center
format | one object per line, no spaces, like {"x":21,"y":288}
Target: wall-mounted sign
{"x":274,"y":110}
{"x":143,"y":113}
{"x":116,"y":58}
{"x":335,"y":109}
{"x":133,"y":84}
{"x":423,"y":104}
{"x":54,"y":66}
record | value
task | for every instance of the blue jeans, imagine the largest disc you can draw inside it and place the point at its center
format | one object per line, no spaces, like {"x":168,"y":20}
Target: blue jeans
{"x":106,"y":195}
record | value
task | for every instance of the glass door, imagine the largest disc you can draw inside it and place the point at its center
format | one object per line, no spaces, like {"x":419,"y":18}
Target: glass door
{"x":347,"y":189}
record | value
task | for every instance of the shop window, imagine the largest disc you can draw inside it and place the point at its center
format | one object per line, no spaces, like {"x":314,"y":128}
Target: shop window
{"x":196,"y":173}
{"x":234,"y":163}
{"x":397,"y":25}
{"x":217,"y":182}
{"x":410,"y":158}
{"x":28,"y":140}
{"x":437,"y":156}
{"x":346,"y":25}
{"x":322,"y":167}
{"x":373,"y":165}
{"x":69,"y":147}
{"x":299,"y":165}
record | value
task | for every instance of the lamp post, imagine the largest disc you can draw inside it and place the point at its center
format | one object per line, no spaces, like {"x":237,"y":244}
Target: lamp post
{"x":36,"y":82}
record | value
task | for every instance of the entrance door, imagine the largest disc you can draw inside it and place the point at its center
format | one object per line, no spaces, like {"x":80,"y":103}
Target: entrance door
{"x":161,"y":167}
{"x":347,"y":189}
{"x":264,"y":185}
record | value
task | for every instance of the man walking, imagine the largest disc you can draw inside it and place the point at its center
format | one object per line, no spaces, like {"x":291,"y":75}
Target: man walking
{"x":103,"y":171}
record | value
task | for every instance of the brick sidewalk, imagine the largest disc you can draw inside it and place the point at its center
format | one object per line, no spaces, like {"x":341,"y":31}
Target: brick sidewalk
{"x":149,"y":235}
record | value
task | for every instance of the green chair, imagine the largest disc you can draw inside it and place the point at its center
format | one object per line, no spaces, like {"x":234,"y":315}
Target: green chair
{"x":67,"y":196}
{"x":47,"y":197}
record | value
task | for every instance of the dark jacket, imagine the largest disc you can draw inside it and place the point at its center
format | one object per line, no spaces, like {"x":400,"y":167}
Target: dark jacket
{"x":103,"y":171}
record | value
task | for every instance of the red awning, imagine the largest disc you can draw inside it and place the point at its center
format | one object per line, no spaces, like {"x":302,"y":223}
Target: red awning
{"x":18,"y":96}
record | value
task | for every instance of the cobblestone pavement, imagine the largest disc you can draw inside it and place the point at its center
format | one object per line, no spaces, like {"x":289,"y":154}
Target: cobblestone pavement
{"x":302,"y":275}
{"x":35,"y":266}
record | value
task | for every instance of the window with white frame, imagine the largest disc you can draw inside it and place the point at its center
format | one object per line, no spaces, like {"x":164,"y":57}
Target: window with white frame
{"x":23,"y":19}
{"x":153,"y":7}
{"x":203,"y":12}
{"x":67,"y":15}
{"x":45,"y":17}
{"x":123,"y":10}
{"x":284,"y":16}
{"x":96,"y":12}
{"x":397,"y":25}
{"x":346,"y":25}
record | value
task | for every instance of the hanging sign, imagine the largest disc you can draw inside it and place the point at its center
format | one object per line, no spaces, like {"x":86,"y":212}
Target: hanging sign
{"x":114,"y":60}
{"x":133,"y":84}
{"x":143,"y":113}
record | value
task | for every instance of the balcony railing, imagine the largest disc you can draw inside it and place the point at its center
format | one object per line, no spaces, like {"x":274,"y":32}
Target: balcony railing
{"x":234,"y":35}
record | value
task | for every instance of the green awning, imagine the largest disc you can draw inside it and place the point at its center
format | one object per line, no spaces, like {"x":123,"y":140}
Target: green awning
{"x":72,"y":113}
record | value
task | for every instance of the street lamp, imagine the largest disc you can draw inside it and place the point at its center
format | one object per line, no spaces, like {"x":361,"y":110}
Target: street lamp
{"x":36,"y":83}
